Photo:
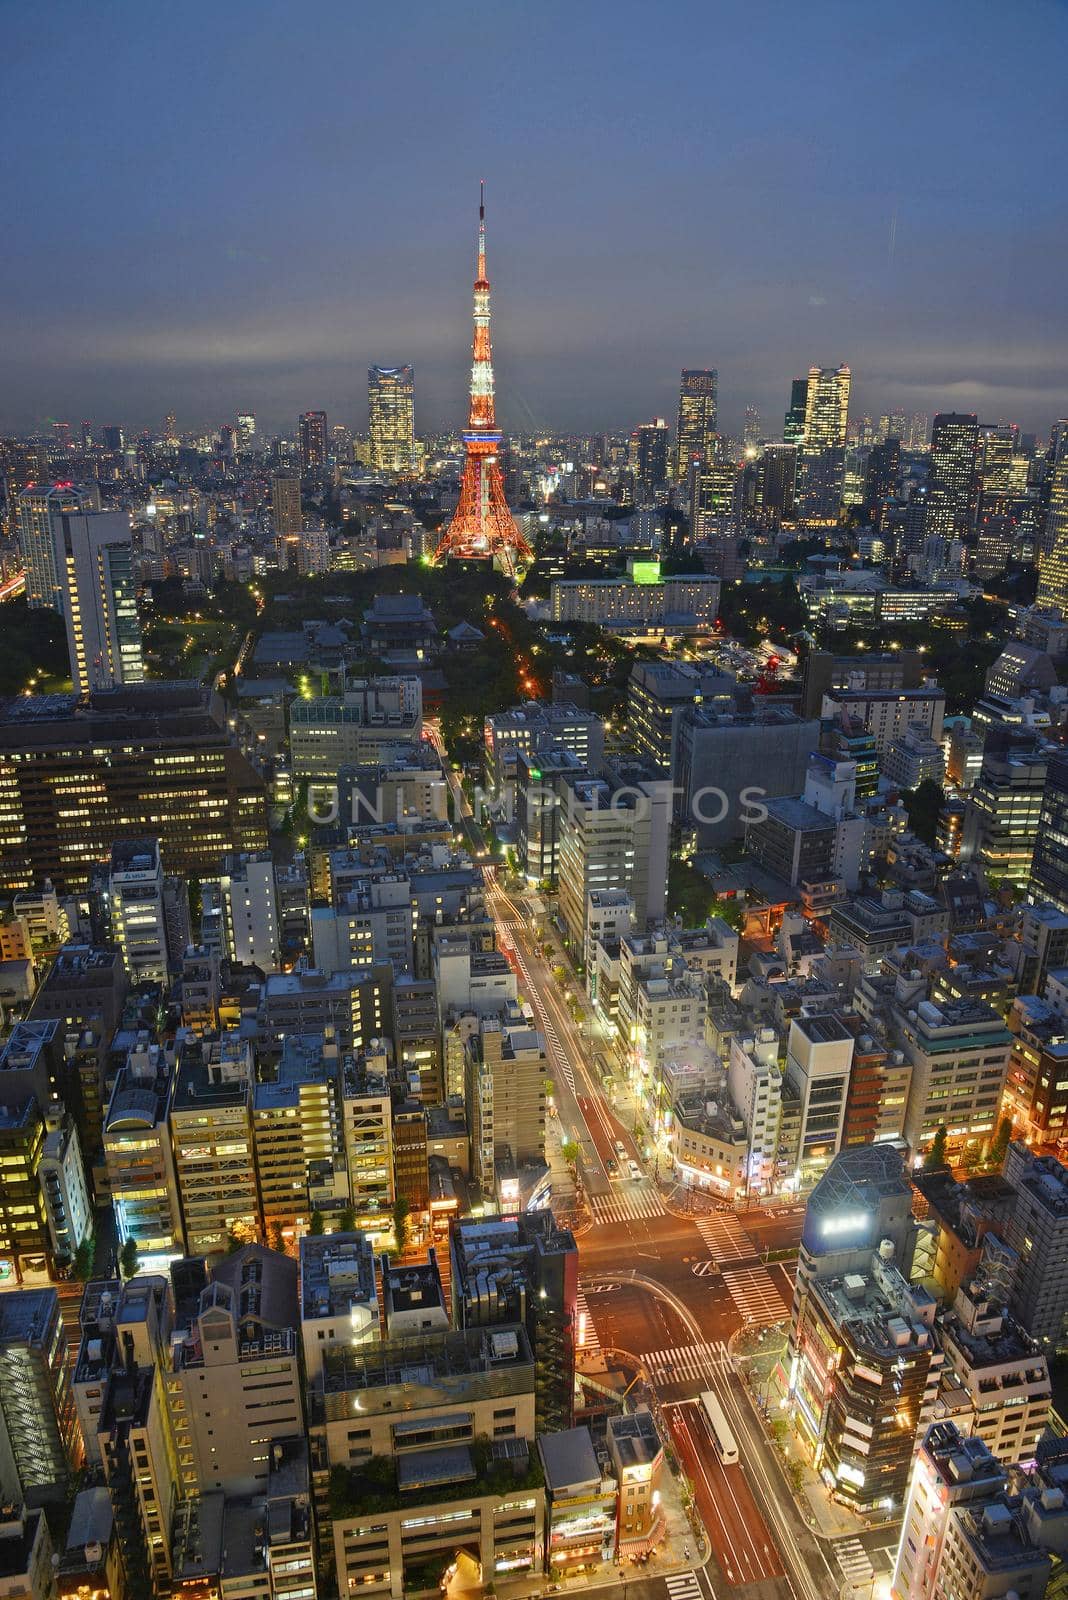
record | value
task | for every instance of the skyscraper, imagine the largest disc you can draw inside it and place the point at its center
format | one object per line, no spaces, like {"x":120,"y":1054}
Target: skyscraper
{"x":312,"y":437}
{"x":170,"y":428}
{"x":94,"y":564}
{"x":751,"y":434}
{"x":952,"y":479}
{"x":652,"y":456}
{"x":391,"y":406}
{"x":246,"y":431}
{"x":695,"y":434}
{"x":39,"y":508}
{"x":793,"y":428}
{"x":822,"y":462}
{"x":285,"y":503}
{"x":1053,"y":569}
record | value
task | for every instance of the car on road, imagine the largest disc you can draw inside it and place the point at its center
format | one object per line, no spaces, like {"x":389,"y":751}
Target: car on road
{"x":633,"y":1168}
{"x":612,"y":1168}
{"x":621,"y":1148}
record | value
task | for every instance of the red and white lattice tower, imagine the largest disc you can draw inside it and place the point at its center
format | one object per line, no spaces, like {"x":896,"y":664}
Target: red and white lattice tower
{"x":482,"y":526}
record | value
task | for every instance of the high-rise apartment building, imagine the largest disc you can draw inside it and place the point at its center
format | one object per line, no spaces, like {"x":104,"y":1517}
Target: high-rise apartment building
{"x":139,"y":1156}
{"x":391,"y":408}
{"x":297,"y":1132}
{"x":211,"y":1138}
{"x":246,"y":431}
{"x":505,"y":1093}
{"x":1053,"y":567}
{"x":953,"y":478}
{"x":285,"y":503}
{"x":39,"y":508}
{"x":130,"y":759}
{"x":695,"y":432}
{"x":822,"y":457}
{"x":94,"y":566}
{"x":312,"y":441}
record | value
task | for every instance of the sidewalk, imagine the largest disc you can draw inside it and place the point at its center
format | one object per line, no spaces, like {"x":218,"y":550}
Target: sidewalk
{"x":758,"y":1356}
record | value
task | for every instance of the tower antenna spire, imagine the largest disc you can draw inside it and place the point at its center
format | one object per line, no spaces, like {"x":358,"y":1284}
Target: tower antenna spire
{"x":482,"y":526}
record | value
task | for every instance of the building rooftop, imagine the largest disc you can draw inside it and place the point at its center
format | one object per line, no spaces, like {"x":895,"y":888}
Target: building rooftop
{"x":26,"y":1315}
{"x":337,"y":1273}
{"x":569,"y":1459}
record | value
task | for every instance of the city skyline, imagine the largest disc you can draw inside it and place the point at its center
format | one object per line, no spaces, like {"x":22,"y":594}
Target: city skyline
{"x":770,"y":237}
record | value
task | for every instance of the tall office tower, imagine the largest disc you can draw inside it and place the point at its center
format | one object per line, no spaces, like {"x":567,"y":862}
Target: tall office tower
{"x":391,"y":407}
{"x":952,"y":479}
{"x":62,"y":435}
{"x":482,"y":526}
{"x":87,"y":435}
{"x":822,"y":464}
{"x":39,"y":509}
{"x":917,"y":438}
{"x":793,"y":428}
{"x":652,"y":456}
{"x":40,"y":1442}
{"x":312,"y":442}
{"x":341,"y":443}
{"x":751,"y":431}
{"x":695,"y":433}
{"x":246,"y":431}
{"x":113,"y":437}
{"x":881,"y":478}
{"x":1053,"y":569}
{"x":285,"y":503}
{"x":997,"y":447}
{"x":94,"y":564}
{"x":713,"y":497}
{"x":170,"y":429}
{"x":776,"y":479}
{"x":141,"y":752}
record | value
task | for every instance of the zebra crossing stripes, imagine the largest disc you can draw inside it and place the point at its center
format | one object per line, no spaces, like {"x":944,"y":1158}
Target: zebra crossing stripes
{"x":683,"y":1586}
{"x":585,"y":1329}
{"x":754,"y":1292}
{"x":725,"y":1237}
{"x":627,"y":1206}
{"x":552,"y":1039}
{"x":688,"y":1363}
{"x":854,"y":1562}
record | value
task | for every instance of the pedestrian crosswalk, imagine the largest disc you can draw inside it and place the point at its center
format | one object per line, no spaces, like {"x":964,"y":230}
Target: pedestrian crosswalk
{"x":689,"y":1363}
{"x":854,"y":1562}
{"x":683,"y":1586}
{"x":725,"y":1237}
{"x":586,"y":1340}
{"x":755,"y":1293}
{"x":556,"y":1050}
{"x":628,"y":1205}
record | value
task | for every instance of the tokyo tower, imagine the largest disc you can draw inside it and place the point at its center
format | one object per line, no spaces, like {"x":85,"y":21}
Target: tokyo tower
{"x":482,"y":526}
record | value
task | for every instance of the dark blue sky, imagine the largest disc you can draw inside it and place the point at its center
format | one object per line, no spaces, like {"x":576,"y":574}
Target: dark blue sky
{"x":214,"y":206}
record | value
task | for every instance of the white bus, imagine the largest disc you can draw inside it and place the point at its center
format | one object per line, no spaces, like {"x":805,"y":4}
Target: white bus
{"x":722,"y":1437}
